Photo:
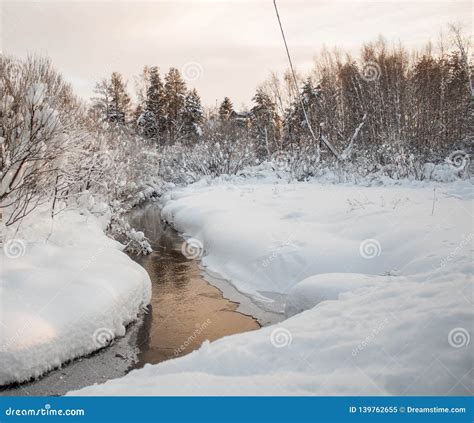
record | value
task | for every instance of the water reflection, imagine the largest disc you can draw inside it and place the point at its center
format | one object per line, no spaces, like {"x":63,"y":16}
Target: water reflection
{"x":185,"y":310}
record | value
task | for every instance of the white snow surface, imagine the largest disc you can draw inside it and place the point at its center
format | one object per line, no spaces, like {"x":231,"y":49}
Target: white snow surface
{"x":326,"y":286}
{"x":64,"y":293}
{"x":384,"y":277}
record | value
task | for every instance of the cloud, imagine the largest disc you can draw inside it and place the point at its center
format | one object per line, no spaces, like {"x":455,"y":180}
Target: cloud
{"x":237,"y":42}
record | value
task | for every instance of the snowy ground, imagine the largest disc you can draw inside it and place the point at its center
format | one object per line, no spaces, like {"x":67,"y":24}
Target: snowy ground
{"x":377,"y":281}
{"x":65,"y":293}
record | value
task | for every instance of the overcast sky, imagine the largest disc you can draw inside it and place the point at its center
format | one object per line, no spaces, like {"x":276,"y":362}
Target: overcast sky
{"x":231,"y":44}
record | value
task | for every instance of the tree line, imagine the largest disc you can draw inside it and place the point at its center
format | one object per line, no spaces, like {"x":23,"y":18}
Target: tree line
{"x":166,"y":110}
{"x":416,"y":103}
{"x":388,"y":111}
{"x":398,"y":103}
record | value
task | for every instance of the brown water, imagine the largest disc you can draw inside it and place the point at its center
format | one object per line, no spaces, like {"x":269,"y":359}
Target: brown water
{"x":185,"y":311}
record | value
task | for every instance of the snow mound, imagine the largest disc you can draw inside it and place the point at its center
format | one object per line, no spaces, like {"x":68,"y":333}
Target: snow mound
{"x":268,"y":237}
{"x":64,"y":296}
{"x":328,"y":286}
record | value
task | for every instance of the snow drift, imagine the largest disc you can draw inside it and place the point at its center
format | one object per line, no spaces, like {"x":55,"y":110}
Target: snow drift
{"x":65,"y":293}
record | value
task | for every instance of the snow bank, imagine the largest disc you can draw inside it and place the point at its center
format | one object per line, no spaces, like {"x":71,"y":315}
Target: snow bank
{"x":269,"y":237}
{"x":63,"y":296}
{"x":384,"y":274}
{"x":327,"y":286}
{"x":393,"y":340}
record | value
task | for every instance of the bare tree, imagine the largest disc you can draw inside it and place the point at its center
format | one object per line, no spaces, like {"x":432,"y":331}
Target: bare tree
{"x":37,"y":111}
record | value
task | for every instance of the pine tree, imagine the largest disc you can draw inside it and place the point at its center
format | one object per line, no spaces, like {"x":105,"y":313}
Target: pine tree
{"x":119,"y":109}
{"x":153,"y":120}
{"x":148,"y":127}
{"x":226,"y":110}
{"x":175,"y":94}
{"x":296,"y":124}
{"x":265,"y":123}
{"x":193,"y":114}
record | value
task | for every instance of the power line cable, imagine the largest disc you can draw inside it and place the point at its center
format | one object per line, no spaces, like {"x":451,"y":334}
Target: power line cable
{"x":324,"y":139}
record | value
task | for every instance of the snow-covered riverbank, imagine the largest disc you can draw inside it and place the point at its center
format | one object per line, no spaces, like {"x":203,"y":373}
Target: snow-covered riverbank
{"x":63,"y":295}
{"x":380,"y":278}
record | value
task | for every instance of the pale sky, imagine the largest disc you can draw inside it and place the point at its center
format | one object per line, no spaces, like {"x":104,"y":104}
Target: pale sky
{"x":232,"y":44}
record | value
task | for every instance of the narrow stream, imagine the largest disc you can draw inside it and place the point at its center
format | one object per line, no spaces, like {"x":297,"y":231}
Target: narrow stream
{"x":185,"y":311}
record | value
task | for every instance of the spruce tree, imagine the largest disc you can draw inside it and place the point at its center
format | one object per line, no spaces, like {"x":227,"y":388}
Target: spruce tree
{"x":193,"y":114}
{"x":265,"y":123}
{"x":296,"y":124}
{"x":153,"y":120}
{"x":175,"y":94}
{"x":226,"y":110}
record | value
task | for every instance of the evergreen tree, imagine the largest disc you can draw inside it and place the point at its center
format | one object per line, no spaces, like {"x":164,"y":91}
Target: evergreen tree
{"x":148,"y":127}
{"x":226,"y":110}
{"x":152,"y":121}
{"x":296,"y":124}
{"x":119,"y":109}
{"x":265,"y":123}
{"x":193,"y":114}
{"x":155,"y":100}
{"x":112,"y":100}
{"x":175,"y":94}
